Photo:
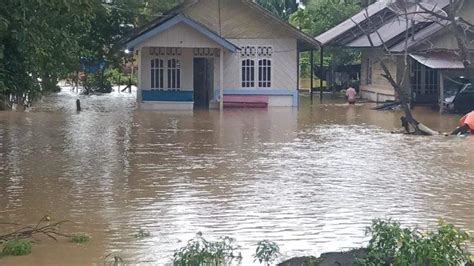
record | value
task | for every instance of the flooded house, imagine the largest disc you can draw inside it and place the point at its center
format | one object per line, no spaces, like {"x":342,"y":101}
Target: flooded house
{"x":433,"y":54}
{"x":216,"y":53}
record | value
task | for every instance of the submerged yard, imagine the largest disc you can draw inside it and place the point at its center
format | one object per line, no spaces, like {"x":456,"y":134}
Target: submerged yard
{"x":309,"y":178}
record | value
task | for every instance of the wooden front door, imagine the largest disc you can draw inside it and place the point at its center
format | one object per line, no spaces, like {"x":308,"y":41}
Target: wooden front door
{"x":203,"y":82}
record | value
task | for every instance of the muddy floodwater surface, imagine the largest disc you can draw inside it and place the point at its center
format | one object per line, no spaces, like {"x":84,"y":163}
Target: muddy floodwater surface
{"x":309,"y":178}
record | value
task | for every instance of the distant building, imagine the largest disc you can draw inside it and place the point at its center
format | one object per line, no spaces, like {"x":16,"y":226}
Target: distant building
{"x":210,"y":51}
{"x":433,"y":51}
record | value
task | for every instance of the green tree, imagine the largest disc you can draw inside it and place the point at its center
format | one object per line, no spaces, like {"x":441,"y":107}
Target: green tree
{"x":42,"y":41}
{"x":319,"y":16}
{"x":38,"y":43}
{"x":281,"y":8}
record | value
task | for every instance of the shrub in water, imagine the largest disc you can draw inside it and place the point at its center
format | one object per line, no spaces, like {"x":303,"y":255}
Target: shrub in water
{"x":200,"y":251}
{"x":80,"y":238}
{"x":17,"y":247}
{"x":393,"y":245}
{"x":267,"y":251}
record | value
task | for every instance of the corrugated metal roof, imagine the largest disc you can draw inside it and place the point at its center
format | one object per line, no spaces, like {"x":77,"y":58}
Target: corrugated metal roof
{"x":328,"y":36}
{"x":439,"y":60}
{"x":386,"y":29}
{"x":419,"y":37}
{"x":383,"y":35}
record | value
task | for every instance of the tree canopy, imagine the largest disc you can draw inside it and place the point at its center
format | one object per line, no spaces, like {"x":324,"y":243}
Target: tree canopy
{"x":41,"y":41}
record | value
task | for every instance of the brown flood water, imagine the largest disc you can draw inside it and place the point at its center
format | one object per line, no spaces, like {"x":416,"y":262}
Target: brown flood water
{"x":310,"y":179}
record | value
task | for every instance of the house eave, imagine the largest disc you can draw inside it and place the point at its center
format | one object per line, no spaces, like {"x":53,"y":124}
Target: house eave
{"x":174,"y":20}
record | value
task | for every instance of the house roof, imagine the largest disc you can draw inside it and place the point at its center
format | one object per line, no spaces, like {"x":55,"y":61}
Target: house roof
{"x":171,"y":20}
{"x":439,"y":60}
{"x":175,"y":16}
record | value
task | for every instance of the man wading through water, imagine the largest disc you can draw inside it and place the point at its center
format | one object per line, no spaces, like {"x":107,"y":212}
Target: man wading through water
{"x":351,"y":95}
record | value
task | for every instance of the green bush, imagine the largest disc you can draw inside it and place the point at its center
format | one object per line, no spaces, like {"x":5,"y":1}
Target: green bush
{"x":200,"y":251}
{"x":17,"y":247}
{"x":267,"y":251}
{"x":80,"y":238}
{"x":96,"y":83}
{"x":393,"y":245}
{"x":117,"y":77}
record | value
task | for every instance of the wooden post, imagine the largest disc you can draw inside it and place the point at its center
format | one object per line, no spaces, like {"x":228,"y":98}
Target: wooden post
{"x":311,"y":85}
{"x":221,"y":80}
{"x":298,"y":66}
{"x":139,"y":81}
{"x":321,"y":63}
{"x":78,"y":105}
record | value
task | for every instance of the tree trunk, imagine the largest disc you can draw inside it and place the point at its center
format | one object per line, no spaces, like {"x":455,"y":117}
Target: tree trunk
{"x":408,"y":121}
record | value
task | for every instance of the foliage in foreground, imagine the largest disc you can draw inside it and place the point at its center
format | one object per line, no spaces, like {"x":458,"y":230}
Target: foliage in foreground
{"x":200,"y":251}
{"x":17,"y":247}
{"x":267,"y":251}
{"x":393,"y":245}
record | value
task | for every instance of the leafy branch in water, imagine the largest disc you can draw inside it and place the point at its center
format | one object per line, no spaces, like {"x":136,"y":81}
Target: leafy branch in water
{"x":142,"y":233}
{"x":43,"y":227}
{"x":19,"y":242}
{"x":80,"y":238}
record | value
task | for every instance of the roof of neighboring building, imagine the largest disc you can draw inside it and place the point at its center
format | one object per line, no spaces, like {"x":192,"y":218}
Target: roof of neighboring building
{"x":419,"y":37}
{"x":385,"y":25}
{"x":305,"y":42}
{"x":328,"y":36}
{"x":439,"y":60}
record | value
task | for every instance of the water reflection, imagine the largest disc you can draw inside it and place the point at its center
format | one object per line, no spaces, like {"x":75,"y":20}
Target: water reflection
{"x":310,"y":178}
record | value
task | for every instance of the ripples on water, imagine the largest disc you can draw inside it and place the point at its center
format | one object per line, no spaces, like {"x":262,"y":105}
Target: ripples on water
{"x":309,"y":179}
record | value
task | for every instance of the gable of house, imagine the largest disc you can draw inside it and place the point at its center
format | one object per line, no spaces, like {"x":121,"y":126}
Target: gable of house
{"x":238,"y":20}
{"x":230,"y":19}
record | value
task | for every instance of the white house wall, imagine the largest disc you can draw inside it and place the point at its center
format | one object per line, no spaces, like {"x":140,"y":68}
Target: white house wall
{"x":380,"y":90}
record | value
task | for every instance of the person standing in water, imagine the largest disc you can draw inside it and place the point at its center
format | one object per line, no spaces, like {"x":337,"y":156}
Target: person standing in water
{"x":351,"y":95}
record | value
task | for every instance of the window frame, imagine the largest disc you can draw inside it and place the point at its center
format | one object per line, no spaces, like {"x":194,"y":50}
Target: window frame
{"x":173,"y":73}
{"x":247,"y":73}
{"x":260,"y":76}
{"x":157,"y":72}
{"x":264,"y":73}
